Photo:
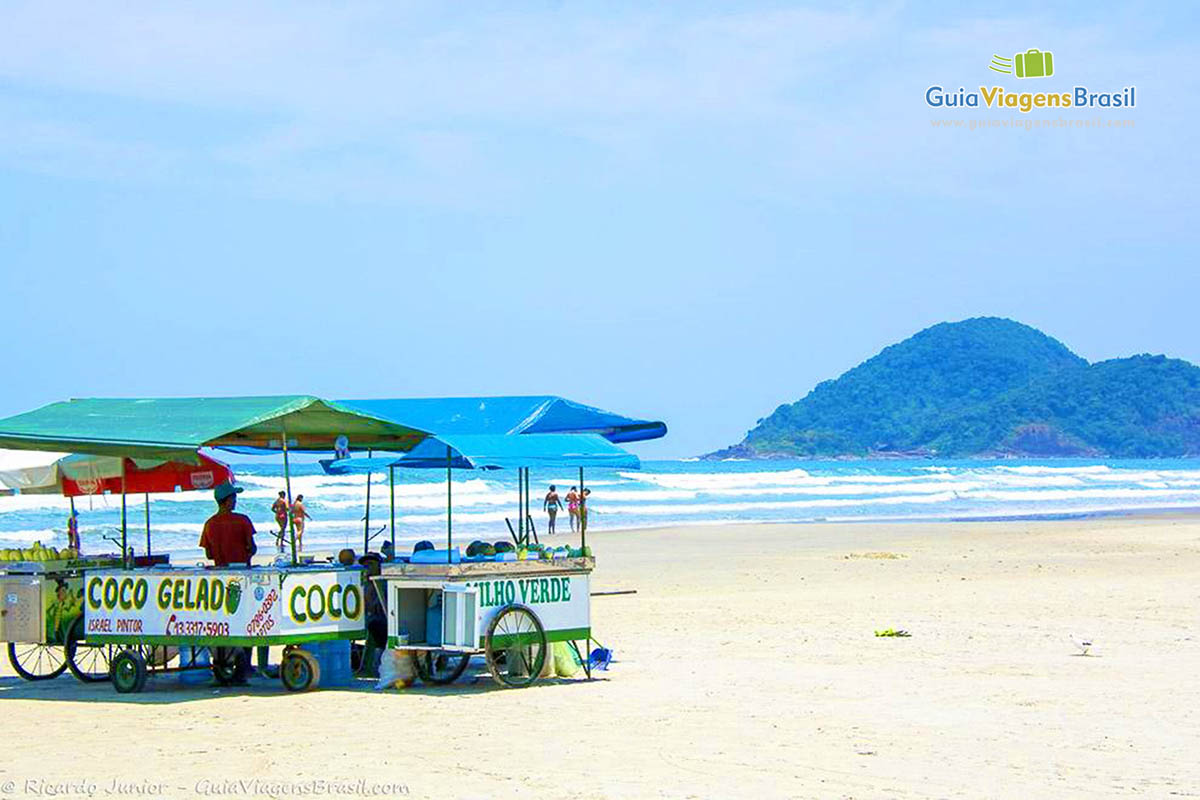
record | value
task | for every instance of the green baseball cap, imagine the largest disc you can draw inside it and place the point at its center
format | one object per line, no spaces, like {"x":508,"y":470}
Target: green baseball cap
{"x":225,"y":490}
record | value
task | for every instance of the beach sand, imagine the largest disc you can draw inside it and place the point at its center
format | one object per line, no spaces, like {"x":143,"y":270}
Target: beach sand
{"x":747,"y":667}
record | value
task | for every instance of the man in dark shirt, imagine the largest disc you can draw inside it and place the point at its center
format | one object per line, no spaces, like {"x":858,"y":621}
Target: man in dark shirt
{"x":228,"y":538}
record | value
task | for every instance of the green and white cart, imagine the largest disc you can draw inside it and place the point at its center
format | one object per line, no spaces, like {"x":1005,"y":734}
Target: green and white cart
{"x":205,"y":618}
{"x":511,"y":612}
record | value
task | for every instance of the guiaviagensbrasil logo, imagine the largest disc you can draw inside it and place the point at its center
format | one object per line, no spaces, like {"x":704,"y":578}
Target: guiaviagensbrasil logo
{"x":1031,"y":63}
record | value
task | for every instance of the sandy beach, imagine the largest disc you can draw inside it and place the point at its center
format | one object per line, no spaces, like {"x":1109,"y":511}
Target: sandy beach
{"x":747,"y":667}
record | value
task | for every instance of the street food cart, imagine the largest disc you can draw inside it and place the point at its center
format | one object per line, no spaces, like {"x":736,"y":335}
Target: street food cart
{"x":510,"y":612}
{"x":224,"y":610}
{"x":152,"y":614}
{"x":508,"y":607}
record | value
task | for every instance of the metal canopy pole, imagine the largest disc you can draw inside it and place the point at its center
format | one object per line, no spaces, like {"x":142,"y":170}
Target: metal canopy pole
{"x":124,"y":532}
{"x":449,"y":535}
{"x":147,"y":523}
{"x":367,"y":516}
{"x":287,"y":479}
{"x":78,"y":543}
{"x":582,"y":513}
{"x":392,"y":492}
{"x":528,"y":521}
{"x":520,"y":516}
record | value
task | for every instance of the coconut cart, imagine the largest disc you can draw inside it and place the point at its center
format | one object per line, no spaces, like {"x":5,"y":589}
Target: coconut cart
{"x":509,"y":607}
{"x":146,"y":614}
{"x":42,"y":587}
{"x":210,"y":614}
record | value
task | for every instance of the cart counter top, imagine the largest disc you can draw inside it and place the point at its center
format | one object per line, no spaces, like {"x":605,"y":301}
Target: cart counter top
{"x":476,"y":570}
{"x":253,"y":573}
{"x":58,"y":565}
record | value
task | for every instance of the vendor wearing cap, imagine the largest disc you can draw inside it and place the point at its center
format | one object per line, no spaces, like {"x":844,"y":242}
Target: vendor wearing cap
{"x":228,"y":538}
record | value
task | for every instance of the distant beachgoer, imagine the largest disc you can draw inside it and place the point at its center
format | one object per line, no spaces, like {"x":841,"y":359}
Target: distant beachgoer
{"x":583,"y":510}
{"x":73,"y":531}
{"x":299,"y":514}
{"x":552,"y":504}
{"x":573,"y":506}
{"x":280,"y":507}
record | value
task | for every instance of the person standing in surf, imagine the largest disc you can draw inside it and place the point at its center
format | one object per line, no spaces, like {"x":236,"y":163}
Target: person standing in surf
{"x":280,"y":507}
{"x":551,"y":504}
{"x":73,"y":532}
{"x":299,"y":514}
{"x":573,"y":507}
{"x":583,"y":510}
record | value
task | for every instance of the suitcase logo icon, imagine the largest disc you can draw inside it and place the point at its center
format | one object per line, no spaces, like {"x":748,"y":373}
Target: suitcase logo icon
{"x":1033,"y":63}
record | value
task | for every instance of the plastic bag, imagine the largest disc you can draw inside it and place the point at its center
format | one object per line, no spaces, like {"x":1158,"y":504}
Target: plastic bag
{"x":566,"y":665}
{"x":397,"y":670}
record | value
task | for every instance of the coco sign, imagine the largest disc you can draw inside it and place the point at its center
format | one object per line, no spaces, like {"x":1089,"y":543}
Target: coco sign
{"x":192,"y":605}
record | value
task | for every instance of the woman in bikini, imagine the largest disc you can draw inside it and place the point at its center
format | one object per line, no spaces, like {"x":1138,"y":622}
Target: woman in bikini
{"x":583,"y":510}
{"x":573,"y":507}
{"x":280,"y":507}
{"x":299,"y":514}
{"x":551,"y":504}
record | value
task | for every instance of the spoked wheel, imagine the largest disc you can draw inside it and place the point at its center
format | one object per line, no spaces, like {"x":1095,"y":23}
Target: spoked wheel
{"x":515,"y":646}
{"x":440,"y":667}
{"x":37,"y":662}
{"x":229,"y":665}
{"x":299,"y":670}
{"x":89,"y":663}
{"x":128,"y":672}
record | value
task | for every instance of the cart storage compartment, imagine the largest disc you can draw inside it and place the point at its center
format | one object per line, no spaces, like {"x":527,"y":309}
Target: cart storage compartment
{"x":444,"y":616}
{"x":21,"y":610}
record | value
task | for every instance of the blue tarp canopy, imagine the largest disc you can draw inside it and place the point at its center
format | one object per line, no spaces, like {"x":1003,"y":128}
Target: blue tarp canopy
{"x":508,"y":415}
{"x":490,"y":451}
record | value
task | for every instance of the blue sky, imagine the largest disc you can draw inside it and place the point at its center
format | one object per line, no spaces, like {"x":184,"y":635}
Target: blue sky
{"x":688,"y":211}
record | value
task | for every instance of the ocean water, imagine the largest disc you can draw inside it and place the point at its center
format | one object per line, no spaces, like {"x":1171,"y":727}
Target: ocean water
{"x":661,"y":493}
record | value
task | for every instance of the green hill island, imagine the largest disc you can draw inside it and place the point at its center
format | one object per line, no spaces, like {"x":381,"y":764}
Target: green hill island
{"x":988,"y":387}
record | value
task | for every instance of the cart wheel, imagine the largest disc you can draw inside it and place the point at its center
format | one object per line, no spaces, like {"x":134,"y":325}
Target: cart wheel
{"x":515,"y":646}
{"x":128,"y":671}
{"x":89,"y":663}
{"x":299,"y":670}
{"x":440,"y":667}
{"x":37,"y":662}
{"x":229,"y":665}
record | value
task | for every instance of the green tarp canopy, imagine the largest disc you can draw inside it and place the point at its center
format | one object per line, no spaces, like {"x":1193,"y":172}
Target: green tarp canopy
{"x":175,"y":427}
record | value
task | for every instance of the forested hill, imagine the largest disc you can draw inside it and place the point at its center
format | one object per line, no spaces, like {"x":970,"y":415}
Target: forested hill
{"x":986,"y":387}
